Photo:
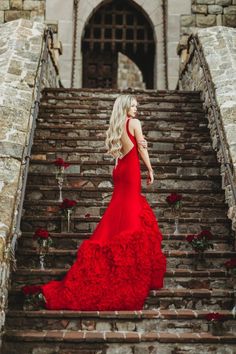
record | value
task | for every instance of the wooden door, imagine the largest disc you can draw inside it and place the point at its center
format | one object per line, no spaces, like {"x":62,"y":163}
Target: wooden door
{"x":100,"y":69}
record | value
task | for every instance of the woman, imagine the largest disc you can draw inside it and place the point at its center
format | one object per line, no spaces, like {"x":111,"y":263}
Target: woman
{"x":122,"y":260}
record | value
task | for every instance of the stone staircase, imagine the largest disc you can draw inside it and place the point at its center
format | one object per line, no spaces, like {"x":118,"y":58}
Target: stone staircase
{"x":72,"y":125}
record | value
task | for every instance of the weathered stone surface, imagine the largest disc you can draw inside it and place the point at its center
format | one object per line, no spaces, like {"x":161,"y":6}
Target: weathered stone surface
{"x":20,"y":53}
{"x":199,"y":9}
{"x":16,"y":4}
{"x":218,"y":46}
{"x":223,"y":2}
{"x":205,"y":21}
{"x":15,"y":15}
{"x":4,"y":5}
{"x":205,"y":2}
{"x":36,"y":5}
{"x":215,"y":9}
{"x":229,"y":20}
{"x":230,"y":10}
{"x":187,"y":20}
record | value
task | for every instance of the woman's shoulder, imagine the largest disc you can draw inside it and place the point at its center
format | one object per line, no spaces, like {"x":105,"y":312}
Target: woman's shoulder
{"x":135,"y":123}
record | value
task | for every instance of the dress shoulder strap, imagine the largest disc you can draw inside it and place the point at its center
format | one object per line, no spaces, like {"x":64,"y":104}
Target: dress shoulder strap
{"x":127,"y":127}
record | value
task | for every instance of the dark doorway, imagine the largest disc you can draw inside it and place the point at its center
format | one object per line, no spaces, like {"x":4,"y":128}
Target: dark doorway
{"x":117,"y":26}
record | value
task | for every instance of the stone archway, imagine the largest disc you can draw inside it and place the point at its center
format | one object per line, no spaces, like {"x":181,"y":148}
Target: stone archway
{"x":116,"y":26}
{"x":154,"y":12}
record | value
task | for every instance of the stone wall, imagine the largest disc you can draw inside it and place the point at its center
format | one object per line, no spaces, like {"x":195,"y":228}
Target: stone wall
{"x":208,"y":13}
{"x":219,"y":45}
{"x":21,"y":43}
{"x":129,"y":75}
{"x":15,"y":9}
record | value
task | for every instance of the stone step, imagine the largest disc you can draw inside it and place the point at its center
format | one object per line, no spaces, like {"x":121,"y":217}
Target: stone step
{"x":47,"y":189}
{"x":197,"y":169}
{"x":74,"y":132}
{"x":171,"y":321}
{"x":156,"y":127}
{"x":57,"y":223}
{"x":45,"y":207}
{"x":74,"y":240}
{"x":208,"y":192}
{"x":143,"y":100}
{"x":165,"y":145}
{"x":105,"y":108}
{"x":159,"y":202}
{"x":101,"y":180}
{"x":109,"y":342}
{"x":87,"y":154}
{"x":179,"y":278}
{"x":60,"y":258}
{"x":161,"y":143}
{"x":175,"y":118}
{"x":207,"y":197}
{"x":101,"y":92}
{"x":145,"y":97}
{"x":177,"y":170}
{"x":171,"y":298}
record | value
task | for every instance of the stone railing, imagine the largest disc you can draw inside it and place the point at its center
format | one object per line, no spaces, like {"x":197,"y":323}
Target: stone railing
{"x":22,"y":57}
{"x":208,"y":64}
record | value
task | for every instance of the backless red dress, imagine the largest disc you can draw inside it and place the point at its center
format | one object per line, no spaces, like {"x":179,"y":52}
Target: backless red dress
{"x":122,"y":260}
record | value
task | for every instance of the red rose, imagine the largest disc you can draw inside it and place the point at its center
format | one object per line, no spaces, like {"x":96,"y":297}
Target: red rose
{"x":173,"y":198}
{"x":214,"y":316}
{"x":61,"y":163}
{"x":31,"y":289}
{"x":41,"y":233}
{"x":190,"y":238}
{"x":231,"y":263}
{"x":87,"y":215}
{"x":68,"y":203}
{"x":206,"y":234}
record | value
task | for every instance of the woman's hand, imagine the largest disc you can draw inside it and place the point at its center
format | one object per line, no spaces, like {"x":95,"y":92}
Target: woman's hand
{"x":143,"y":142}
{"x":150,"y":177}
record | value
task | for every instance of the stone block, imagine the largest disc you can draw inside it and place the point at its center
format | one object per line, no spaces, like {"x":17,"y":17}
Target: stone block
{"x":4,"y":5}
{"x":215,"y":9}
{"x":15,"y":67}
{"x":33,"y":5}
{"x":199,"y":9}
{"x":187,"y":20}
{"x":205,"y":2}
{"x":205,"y":21}
{"x":10,"y":149}
{"x":229,"y":20}
{"x":12,"y":15}
{"x":223,"y":2}
{"x":231,"y":10}
{"x":16,"y":4}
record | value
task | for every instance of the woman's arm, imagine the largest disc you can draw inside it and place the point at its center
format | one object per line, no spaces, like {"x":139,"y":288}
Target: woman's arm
{"x":142,"y":150}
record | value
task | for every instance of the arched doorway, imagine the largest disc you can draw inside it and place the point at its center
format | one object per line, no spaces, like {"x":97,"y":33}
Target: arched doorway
{"x":117,"y":26}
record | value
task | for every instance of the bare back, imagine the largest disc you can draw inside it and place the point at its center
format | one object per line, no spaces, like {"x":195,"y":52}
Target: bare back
{"x":127,"y":144}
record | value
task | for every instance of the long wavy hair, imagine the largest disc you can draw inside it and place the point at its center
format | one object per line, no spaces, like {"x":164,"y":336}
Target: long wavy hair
{"x":117,"y":120}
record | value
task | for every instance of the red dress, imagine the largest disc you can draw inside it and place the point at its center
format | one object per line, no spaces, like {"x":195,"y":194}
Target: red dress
{"x":122,"y":260}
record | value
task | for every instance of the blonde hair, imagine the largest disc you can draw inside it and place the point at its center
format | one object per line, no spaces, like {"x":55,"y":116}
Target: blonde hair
{"x":117,"y":120}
